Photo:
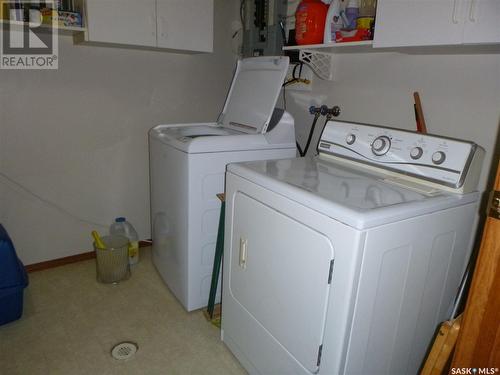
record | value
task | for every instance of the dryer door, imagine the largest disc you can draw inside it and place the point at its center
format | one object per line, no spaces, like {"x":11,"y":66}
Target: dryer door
{"x":279,"y":273}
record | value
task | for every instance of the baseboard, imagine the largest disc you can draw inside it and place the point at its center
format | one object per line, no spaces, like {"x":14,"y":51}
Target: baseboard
{"x":145,"y":243}
{"x":70,"y":259}
{"x":59,"y":262}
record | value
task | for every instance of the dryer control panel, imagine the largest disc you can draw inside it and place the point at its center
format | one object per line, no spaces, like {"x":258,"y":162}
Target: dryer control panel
{"x":428,"y":158}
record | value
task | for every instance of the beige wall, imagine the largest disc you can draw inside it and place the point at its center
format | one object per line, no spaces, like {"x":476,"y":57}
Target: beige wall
{"x":460,"y":93}
{"x":75,"y":139}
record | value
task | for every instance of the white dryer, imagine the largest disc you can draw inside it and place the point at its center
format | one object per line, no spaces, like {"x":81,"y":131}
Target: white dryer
{"x":187,"y":165}
{"x":347,"y":262}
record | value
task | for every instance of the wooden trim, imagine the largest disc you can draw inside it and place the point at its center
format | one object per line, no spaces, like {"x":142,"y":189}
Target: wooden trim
{"x":145,"y":243}
{"x":70,"y":259}
{"x":60,"y":261}
{"x":479,"y":339}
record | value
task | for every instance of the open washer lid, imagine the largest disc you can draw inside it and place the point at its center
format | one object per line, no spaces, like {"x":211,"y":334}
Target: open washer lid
{"x":253,"y":94}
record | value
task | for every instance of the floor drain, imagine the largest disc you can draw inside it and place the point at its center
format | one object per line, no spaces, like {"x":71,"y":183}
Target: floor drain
{"x":124,"y":350}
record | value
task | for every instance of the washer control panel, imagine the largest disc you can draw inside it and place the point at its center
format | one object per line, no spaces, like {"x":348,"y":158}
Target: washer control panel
{"x":433,"y":158}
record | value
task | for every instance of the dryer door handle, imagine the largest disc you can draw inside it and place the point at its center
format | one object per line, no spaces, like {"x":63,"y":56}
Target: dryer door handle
{"x":243,"y":252}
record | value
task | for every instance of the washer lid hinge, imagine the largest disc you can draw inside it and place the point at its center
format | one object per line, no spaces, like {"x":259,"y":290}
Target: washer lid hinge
{"x":220,"y":119}
{"x":494,"y":208}
{"x":320,"y":350}
{"x":330,"y":274}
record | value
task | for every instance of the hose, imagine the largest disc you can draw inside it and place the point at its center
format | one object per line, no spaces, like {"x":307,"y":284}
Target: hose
{"x":308,"y":143}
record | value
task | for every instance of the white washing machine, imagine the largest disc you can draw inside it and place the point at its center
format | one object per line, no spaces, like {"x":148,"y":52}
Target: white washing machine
{"x":347,"y":262}
{"x":187,"y":165}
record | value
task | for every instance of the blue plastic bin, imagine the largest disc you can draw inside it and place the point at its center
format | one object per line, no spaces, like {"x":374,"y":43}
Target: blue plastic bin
{"x":13,"y":280}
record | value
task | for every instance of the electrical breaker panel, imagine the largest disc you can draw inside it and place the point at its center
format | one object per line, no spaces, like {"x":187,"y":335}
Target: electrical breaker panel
{"x":263,"y":25}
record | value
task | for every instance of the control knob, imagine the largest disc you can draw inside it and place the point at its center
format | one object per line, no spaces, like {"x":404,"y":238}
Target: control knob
{"x":416,"y":153}
{"x":438,"y":157}
{"x":381,"y":145}
{"x":350,"y":139}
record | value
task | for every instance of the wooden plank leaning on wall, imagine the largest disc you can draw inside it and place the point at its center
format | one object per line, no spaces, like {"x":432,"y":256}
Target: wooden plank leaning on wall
{"x":478,"y":344}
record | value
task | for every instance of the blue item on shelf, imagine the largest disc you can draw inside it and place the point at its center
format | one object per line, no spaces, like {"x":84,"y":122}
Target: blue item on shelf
{"x":13,"y":280}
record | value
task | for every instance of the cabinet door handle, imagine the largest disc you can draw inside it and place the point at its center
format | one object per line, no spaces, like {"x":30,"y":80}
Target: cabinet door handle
{"x":454,"y":18}
{"x":472,"y":11}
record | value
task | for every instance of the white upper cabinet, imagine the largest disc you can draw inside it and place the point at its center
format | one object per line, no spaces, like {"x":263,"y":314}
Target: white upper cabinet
{"x":185,"y":24}
{"x":482,"y":22}
{"x":181,"y":25}
{"x":403,"y":23}
{"x":129,"y":22}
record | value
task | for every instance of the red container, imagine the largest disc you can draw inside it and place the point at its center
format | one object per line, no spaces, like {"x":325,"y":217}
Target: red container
{"x":310,"y":22}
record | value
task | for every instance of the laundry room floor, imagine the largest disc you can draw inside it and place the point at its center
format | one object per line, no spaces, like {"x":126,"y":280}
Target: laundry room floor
{"x":71,"y":322}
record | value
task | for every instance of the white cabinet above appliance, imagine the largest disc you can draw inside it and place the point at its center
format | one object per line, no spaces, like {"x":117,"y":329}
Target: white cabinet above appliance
{"x":179,"y":25}
{"x":128,"y":22}
{"x":482,"y":22}
{"x":185,"y":25}
{"x":402,"y":23}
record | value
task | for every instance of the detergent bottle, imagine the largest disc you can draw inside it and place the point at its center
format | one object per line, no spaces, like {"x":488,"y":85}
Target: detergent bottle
{"x":310,"y":22}
{"x":122,"y":227}
{"x":333,"y":21}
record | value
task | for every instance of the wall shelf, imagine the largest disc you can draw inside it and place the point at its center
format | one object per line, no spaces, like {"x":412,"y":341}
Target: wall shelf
{"x":319,"y":57}
{"x":332,"y":47}
{"x":61,"y":29}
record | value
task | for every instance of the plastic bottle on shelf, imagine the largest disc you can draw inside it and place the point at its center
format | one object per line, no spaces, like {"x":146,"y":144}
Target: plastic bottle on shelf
{"x":333,"y":21}
{"x":352,"y":14}
{"x":310,"y":22}
{"x":122,"y":227}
